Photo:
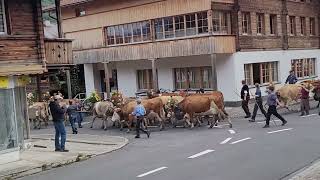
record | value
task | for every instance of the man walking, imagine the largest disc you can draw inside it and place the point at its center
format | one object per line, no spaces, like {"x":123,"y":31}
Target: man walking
{"x":292,"y":78}
{"x":73,"y":114}
{"x":58,"y":120}
{"x":305,"y":107}
{"x":272,"y":102}
{"x":245,"y":98}
{"x":139,"y":112}
{"x":258,"y":104}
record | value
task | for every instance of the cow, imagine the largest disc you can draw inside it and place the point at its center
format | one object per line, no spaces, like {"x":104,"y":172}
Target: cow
{"x":104,"y":110}
{"x":192,"y":105}
{"x":123,"y":114}
{"x":39,"y":112}
{"x":289,"y":94}
{"x":213,"y":111}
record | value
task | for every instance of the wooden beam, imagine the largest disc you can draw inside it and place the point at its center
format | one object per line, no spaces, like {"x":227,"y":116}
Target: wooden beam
{"x":154,"y":75}
{"x":69,"y":84}
{"x":107,"y":79}
{"x":59,"y":19}
{"x":214,"y":71}
{"x":39,"y":88}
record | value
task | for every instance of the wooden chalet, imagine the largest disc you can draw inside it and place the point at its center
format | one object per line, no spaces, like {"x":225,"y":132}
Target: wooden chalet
{"x":24,"y":52}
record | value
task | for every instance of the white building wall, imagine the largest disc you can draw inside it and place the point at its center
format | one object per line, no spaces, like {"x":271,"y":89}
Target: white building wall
{"x":230,"y":69}
{"x":283,"y":57}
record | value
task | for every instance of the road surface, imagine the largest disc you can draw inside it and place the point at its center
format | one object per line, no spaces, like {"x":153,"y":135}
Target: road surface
{"x":245,"y":152}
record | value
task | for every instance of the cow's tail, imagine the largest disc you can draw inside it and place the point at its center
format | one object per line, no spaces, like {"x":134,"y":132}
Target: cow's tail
{"x":94,"y":110}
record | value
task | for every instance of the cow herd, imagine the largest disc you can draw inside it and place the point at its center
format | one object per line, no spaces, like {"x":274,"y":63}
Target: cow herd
{"x":175,"y":109}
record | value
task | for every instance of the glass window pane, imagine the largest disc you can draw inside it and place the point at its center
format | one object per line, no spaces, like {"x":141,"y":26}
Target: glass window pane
{"x":179,"y":26}
{"x":137,"y":33}
{"x":146,"y":33}
{"x":168,"y":27}
{"x":191,"y":24}
{"x":202,"y":22}
{"x":8,"y":136}
{"x":158,"y":23}
{"x":127,"y":30}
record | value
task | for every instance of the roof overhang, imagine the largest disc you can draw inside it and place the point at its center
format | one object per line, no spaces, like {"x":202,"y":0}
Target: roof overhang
{"x":65,"y":3}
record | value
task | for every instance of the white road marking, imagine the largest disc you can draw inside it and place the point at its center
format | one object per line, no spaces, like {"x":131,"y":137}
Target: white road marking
{"x":232,"y":131}
{"x":84,"y":123}
{"x":226,"y":140}
{"x":271,"y":132}
{"x":308,"y":115}
{"x":201,"y":154}
{"x":150,"y":172}
{"x":241,"y":140}
{"x":262,"y":122}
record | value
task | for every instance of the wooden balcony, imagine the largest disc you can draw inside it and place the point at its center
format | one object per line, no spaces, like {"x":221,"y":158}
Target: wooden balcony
{"x":58,"y":52}
{"x":211,"y":44}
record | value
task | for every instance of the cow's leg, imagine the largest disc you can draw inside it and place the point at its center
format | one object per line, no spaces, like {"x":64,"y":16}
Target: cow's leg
{"x":318,"y":104}
{"x":105,"y":119}
{"x":199,"y":121}
{"x":214,"y":121}
{"x":229,"y":121}
{"x":93,"y":121}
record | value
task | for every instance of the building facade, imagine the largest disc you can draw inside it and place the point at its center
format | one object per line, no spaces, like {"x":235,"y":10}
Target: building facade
{"x":187,"y":44}
{"x":21,"y":55}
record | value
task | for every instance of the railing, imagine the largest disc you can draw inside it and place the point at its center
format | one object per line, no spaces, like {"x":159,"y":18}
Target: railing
{"x":58,"y":51}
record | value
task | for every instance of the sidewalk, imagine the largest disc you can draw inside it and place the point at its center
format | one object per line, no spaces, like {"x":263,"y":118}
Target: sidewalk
{"x":41,"y":156}
{"x":310,"y":173}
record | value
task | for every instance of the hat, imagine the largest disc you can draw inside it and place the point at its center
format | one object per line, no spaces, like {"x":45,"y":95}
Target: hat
{"x":56,"y":97}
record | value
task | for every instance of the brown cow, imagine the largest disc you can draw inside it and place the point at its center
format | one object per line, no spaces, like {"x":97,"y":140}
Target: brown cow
{"x":289,"y":93}
{"x":39,"y":112}
{"x":203,"y":105}
{"x":123,"y":114}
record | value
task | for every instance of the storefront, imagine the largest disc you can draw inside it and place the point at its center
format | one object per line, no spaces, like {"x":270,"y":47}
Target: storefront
{"x":13,"y":110}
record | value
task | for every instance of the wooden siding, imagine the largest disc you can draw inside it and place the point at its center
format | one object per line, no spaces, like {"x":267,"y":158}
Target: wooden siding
{"x":58,"y":51}
{"x":22,"y":49}
{"x":93,"y":38}
{"x":164,"y":49}
{"x":106,"y":13}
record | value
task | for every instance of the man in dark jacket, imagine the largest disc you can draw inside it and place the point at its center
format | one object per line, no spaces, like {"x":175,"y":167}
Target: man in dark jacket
{"x":245,"y":96}
{"x":292,"y":78}
{"x":58,"y":120}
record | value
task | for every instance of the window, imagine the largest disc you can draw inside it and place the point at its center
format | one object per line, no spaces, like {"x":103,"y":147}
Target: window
{"x":145,"y":79}
{"x":260,"y":23}
{"x":111,"y":36}
{"x":80,"y":12}
{"x":3,"y":29}
{"x":193,"y":78}
{"x":221,"y":22}
{"x":202,"y":22}
{"x":273,"y":24}
{"x":179,"y":26}
{"x":292,"y":20}
{"x":261,"y":73}
{"x":129,"y":33}
{"x":304,"y":67}
{"x":312,"y":27}
{"x":168,"y":27}
{"x":146,"y":31}
{"x":191,"y":28}
{"x":246,"y":23}
{"x":158,"y":26}
{"x":127,"y":29}
{"x":137,"y":33}
{"x":303,"y":25}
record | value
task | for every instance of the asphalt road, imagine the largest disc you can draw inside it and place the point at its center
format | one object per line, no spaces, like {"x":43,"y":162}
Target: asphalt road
{"x":247,"y":152}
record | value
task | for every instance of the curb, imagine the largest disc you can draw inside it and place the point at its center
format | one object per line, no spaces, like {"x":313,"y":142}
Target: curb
{"x":49,"y":166}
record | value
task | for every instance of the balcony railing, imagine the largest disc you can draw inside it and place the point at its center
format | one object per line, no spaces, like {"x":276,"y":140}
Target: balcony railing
{"x":58,"y":51}
{"x":204,"y":45}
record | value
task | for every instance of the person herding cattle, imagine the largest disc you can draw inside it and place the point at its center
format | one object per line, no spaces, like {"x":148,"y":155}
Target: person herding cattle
{"x":72,"y":112}
{"x":272,"y":102}
{"x":139,"y":112}
{"x":245,"y":98}
{"x":258,"y":104}
{"x":292,"y":78}
{"x":305,"y":107}
{"x":58,"y":120}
